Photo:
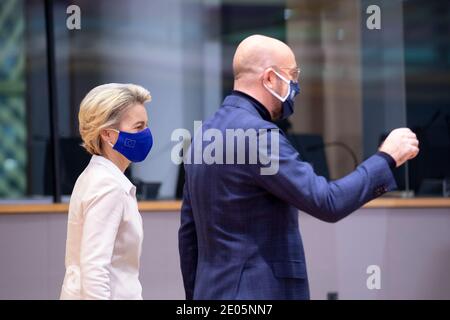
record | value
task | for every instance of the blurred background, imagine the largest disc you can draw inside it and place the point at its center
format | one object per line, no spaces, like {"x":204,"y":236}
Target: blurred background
{"x":357,"y":84}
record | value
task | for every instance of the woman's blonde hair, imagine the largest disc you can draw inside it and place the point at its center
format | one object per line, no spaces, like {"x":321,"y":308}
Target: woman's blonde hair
{"x":103,"y":108}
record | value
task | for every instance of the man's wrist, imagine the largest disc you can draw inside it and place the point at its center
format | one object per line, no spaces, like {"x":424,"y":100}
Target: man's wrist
{"x":391,"y":162}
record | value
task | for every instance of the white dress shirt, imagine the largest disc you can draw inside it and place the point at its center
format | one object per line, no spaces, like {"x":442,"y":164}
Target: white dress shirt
{"x":104,"y":236}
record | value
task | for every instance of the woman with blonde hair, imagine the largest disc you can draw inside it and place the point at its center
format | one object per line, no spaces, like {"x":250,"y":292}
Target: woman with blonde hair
{"x":104,"y":230}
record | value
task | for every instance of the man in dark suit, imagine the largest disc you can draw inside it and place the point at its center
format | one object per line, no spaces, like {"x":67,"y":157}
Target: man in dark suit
{"x":239,"y":236}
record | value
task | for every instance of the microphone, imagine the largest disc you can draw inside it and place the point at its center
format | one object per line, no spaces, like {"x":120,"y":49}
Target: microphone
{"x":336,"y":144}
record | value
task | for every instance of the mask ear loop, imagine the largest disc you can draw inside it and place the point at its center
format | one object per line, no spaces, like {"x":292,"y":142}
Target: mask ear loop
{"x":112,"y":146}
{"x":282,"y":99}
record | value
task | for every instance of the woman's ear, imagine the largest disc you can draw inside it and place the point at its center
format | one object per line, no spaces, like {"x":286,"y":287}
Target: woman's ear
{"x":107,"y":136}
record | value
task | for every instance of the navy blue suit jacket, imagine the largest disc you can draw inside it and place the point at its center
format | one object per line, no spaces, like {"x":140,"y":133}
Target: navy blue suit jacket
{"x":239,"y":236}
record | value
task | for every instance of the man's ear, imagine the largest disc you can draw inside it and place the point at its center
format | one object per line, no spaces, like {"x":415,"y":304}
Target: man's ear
{"x":269,"y":78}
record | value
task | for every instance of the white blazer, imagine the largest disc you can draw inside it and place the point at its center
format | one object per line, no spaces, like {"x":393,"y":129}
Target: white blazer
{"x":104,"y":236}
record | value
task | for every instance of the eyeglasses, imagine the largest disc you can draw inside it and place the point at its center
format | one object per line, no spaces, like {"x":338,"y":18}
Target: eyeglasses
{"x":293,"y":72}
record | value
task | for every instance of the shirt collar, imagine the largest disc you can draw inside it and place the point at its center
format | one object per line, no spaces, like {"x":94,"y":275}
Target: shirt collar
{"x":116,"y":172}
{"x":265,"y":114}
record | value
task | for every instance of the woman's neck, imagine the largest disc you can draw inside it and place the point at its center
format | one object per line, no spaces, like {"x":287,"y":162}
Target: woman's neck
{"x":119,"y":160}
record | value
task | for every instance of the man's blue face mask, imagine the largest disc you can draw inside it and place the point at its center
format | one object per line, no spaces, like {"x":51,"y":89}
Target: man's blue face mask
{"x":288,"y":100}
{"x":134,"y":146}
